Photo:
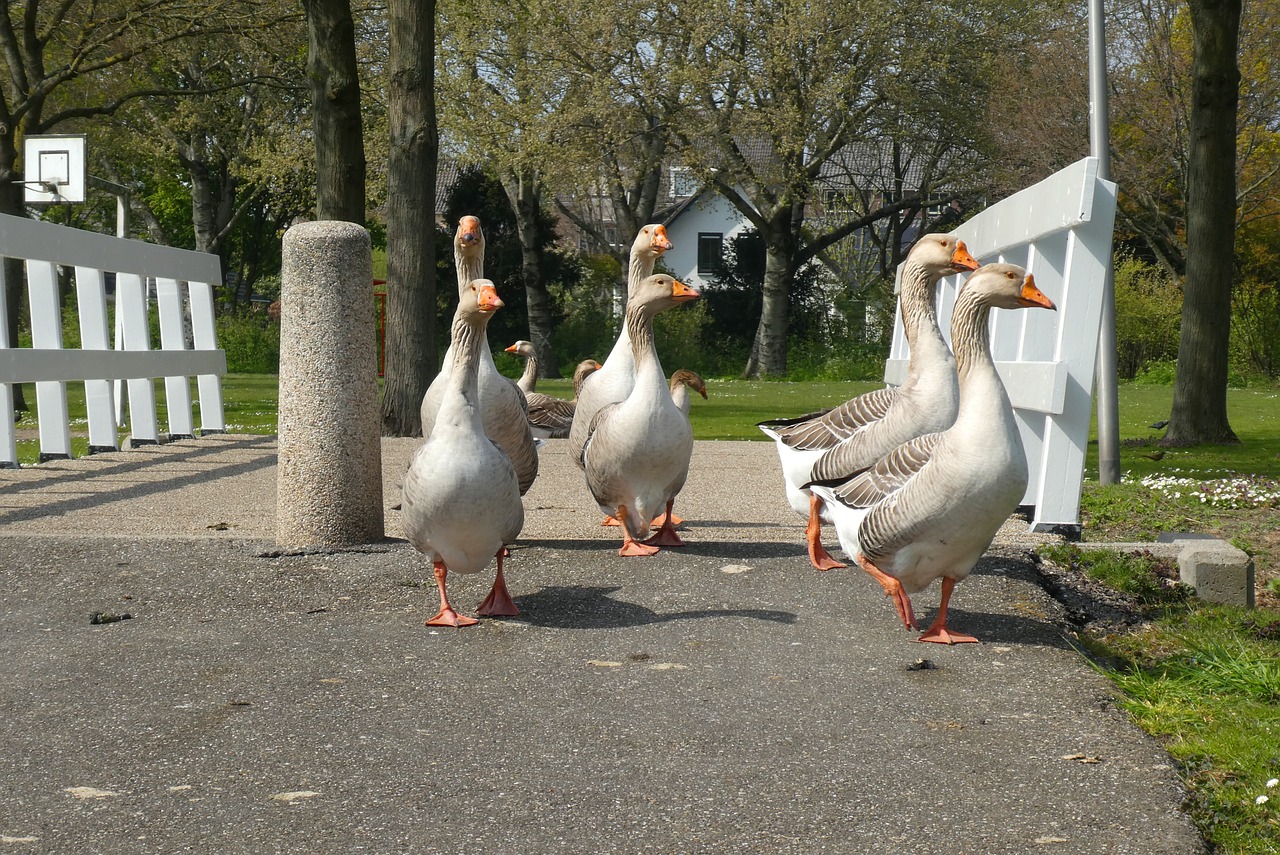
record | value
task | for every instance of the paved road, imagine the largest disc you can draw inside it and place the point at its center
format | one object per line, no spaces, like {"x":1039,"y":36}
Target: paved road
{"x":719,"y":698}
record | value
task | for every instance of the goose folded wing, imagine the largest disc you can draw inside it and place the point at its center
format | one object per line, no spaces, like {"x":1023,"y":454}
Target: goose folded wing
{"x":889,"y":474}
{"x":839,"y":423}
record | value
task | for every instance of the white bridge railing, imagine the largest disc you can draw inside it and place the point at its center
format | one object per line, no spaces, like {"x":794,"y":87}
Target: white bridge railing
{"x":1060,"y":230}
{"x":184,"y":283}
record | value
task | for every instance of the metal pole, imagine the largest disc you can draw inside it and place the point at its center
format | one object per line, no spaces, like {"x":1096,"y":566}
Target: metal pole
{"x":1099,"y":147}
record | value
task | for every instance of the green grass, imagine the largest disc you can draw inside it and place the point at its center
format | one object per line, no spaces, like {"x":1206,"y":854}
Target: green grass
{"x":1205,"y":680}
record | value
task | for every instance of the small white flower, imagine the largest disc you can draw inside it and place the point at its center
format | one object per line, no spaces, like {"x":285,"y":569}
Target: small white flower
{"x":1273,"y":782}
{"x":1261,"y":800}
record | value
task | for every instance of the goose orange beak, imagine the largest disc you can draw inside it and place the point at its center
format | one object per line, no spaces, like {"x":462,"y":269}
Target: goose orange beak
{"x":682,"y":293}
{"x":488,"y":299}
{"x":659,"y":241}
{"x":1033,"y":296}
{"x":511,"y":349}
{"x":961,"y":259}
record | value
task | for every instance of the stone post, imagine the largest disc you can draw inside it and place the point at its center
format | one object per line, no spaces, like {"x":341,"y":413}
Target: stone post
{"x":329,"y":486}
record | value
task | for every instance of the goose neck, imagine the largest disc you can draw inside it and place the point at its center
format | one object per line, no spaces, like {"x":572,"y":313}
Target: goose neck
{"x":919,"y":303}
{"x":970,"y":336}
{"x":468,"y":267}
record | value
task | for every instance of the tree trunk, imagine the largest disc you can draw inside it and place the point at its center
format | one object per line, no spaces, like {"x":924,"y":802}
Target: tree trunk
{"x":14,"y":273}
{"x":410,"y":349}
{"x":769,"y":354}
{"x":1200,"y":390}
{"x":335,"y":98}
{"x":525,"y":194}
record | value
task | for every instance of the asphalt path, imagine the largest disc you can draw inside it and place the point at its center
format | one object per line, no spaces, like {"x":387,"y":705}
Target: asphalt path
{"x":723,"y":697}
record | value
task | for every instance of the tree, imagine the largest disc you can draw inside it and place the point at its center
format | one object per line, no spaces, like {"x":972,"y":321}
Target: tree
{"x":411,"y":347}
{"x":335,"y":99}
{"x":776,"y":92}
{"x":501,"y":87}
{"x":1200,"y":390}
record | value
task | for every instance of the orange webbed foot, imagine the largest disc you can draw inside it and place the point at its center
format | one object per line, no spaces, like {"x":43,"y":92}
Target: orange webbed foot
{"x":941,"y":635}
{"x":818,"y":555}
{"x":665,"y":536}
{"x":631,"y":548}
{"x":610,"y":520}
{"x":449,"y":617}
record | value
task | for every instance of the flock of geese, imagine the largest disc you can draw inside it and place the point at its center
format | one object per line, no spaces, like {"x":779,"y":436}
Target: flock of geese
{"x":915,"y":479}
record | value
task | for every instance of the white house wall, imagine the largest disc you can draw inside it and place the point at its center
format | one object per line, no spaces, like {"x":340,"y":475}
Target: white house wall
{"x":709,"y":214}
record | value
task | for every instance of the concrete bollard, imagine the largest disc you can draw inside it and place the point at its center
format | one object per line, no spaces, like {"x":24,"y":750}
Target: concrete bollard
{"x":329,"y":486}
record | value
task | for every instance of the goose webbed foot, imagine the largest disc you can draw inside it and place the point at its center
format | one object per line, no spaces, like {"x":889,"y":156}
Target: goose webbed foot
{"x":892,"y":589}
{"x":666,"y":534}
{"x":609,"y":520}
{"x":499,"y":602}
{"x":447,"y":616}
{"x":818,"y":555}
{"x":630,"y":546}
{"x":937,"y":631}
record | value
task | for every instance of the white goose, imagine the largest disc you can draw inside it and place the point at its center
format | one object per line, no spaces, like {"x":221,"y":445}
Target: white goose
{"x":549,"y":417}
{"x":637,"y":452}
{"x":501,"y":402}
{"x":461,"y":497}
{"x":931,"y":507}
{"x":839,"y":443}
{"x":682,"y":380}
{"x":615,"y":378}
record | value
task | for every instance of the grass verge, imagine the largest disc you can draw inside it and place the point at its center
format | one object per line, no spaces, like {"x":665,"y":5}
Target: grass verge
{"x":1205,"y":680}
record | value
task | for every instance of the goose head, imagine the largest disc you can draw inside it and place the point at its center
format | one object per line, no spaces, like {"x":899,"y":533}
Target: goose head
{"x":521,"y":348}
{"x":690,"y":379}
{"x":468,"y":241}
{"x":651,"y":241}
{"x":585,"y":367}
{"x":478,"y":301}
{"x":659,"y":292}
{"x":942,"y":255}
{"x":1007,"y":286}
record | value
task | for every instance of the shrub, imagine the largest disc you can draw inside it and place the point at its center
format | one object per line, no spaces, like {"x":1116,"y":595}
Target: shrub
{"x":251,"y":341}
{"x":1148,"y":319}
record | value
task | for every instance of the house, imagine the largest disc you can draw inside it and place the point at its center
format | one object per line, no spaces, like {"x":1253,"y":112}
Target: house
{"x":699,"y":225}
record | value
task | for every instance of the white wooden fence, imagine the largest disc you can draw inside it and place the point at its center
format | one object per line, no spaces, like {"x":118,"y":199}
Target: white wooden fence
{"x":184,"y":283}
{"x":1060,"y":230}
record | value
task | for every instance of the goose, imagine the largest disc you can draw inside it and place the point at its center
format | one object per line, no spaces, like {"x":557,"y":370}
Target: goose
{"x":460,"y":501}
{"x":616,"y":376}
{"x":637,"y":453}
{"x":682,"y":381}
{"x":528,"y":381}
{"x":931,"y":507}
{"x":551,"y":418}
{"x":501,"y":401}
{"x":839,"y":443}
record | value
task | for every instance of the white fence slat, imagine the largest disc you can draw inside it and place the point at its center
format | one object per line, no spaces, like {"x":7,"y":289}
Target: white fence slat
{"x":41,"y":241}
{"x":177,"y":388}
{"x":204,"y":336}
{"x":99,"y":396}
{"x":27,"y":365}
{"x":46,"y":331}
{"x":1061,"y":231}
{"x":131,"y":302}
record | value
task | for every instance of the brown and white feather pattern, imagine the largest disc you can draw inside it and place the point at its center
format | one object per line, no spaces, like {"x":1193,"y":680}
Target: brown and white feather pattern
{"x":942,"y":497}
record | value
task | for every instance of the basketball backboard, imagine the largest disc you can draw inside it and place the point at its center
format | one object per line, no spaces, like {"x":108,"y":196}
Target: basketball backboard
{"x":54,"y":168}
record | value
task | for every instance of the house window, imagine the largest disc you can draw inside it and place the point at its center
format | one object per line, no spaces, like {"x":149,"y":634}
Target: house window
{"x":710,"y":250}
{"x":683,"y":184}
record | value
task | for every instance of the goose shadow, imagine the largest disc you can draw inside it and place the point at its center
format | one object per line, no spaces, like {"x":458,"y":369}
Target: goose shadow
{"x":723,"y":549}
{"x":583,"y":607}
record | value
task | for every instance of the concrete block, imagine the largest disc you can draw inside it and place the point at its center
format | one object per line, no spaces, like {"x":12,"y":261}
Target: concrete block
{"x":329,"y":486}
{"x":1218,"y":571}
